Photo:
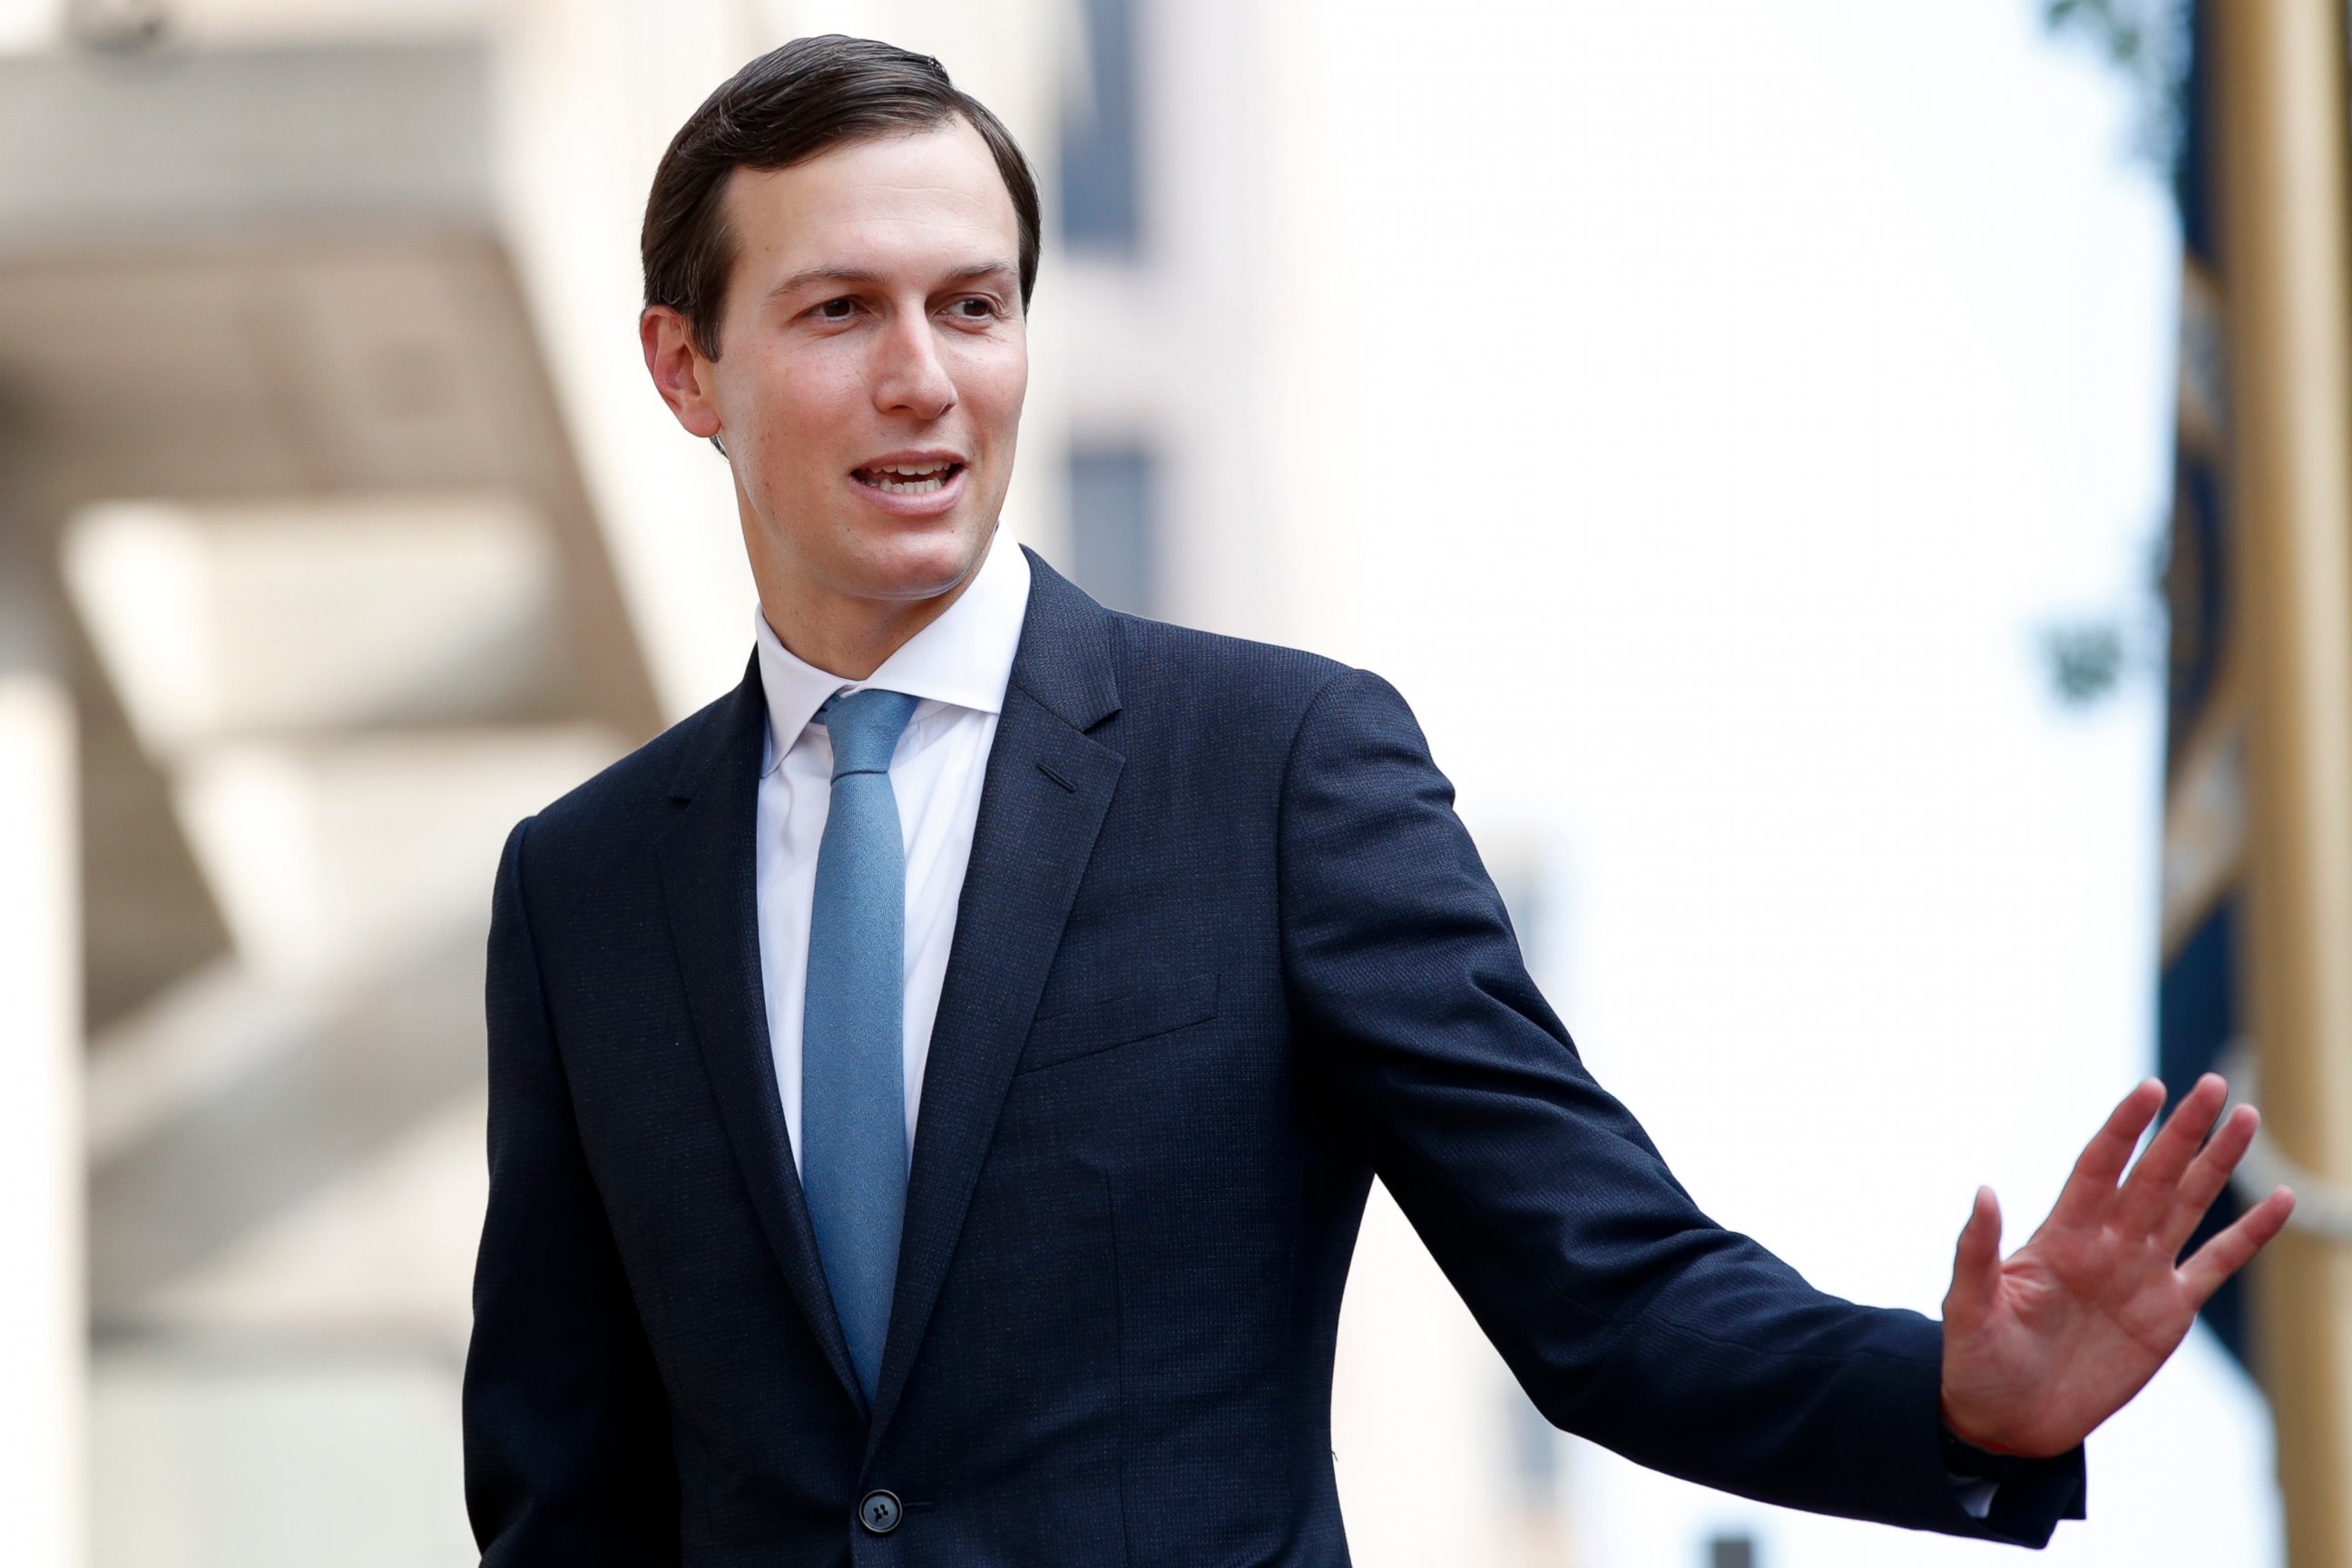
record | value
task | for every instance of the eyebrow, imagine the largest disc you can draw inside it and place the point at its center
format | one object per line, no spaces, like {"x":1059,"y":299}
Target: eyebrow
{"x":971,"y":274}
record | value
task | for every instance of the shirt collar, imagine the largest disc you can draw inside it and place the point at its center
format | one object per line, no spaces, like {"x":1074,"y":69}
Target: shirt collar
{"x":964,"y":658}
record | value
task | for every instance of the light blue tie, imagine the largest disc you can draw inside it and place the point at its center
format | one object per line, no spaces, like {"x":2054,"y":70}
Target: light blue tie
{"x":853,"y":1093}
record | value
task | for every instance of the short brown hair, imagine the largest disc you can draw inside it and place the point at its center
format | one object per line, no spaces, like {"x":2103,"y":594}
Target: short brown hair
{"x":785,"y":108}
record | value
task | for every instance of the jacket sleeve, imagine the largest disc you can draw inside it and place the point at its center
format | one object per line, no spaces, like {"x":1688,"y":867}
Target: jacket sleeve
{"x":567,"y":1432}
{"x":1628,"y":1315}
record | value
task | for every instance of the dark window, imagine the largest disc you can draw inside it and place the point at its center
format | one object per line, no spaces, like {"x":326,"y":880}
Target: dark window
{"x":1098,"y":138}
{"x":1113,"y":508}
{"x":1731,"y":1551}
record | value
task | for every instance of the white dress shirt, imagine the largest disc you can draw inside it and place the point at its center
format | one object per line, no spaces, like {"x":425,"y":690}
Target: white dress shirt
{"x":959,"y":665}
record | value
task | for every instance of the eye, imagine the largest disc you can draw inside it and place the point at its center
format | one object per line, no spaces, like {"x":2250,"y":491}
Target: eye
{"x":839,"y":309}
{"x":974,"y":307}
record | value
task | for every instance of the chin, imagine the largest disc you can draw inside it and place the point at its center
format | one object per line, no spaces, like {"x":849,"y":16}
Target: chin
{"x":912,"y":569}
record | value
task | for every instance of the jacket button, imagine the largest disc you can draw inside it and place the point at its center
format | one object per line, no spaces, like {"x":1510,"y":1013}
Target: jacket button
{"x":879,"y":1512}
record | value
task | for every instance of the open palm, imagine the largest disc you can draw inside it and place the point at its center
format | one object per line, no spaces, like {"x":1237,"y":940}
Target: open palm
{"x":2041,"y":1347}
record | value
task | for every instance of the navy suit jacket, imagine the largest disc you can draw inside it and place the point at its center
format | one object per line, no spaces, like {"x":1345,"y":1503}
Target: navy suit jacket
{"x":1224,"y":952}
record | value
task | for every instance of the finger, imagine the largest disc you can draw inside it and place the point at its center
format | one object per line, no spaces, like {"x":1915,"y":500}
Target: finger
{"x":2148,"y":1191}
{"x":2207,"y":1177}
{"x":2092,"y":1184}
{"x":1976,"y":1265}
{"x":2230,"y":1251}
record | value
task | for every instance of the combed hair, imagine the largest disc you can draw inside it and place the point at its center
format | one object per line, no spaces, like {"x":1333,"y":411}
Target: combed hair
{"x":785,"y":108}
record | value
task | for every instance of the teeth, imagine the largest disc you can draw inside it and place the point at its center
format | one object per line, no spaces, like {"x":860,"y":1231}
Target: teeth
{"x":912,"y":487}
{"x":906,"y":480}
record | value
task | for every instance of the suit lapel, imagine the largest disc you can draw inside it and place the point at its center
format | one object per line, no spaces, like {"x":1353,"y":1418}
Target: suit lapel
{"x":709,"y":883}
{"x":1042,"y":802}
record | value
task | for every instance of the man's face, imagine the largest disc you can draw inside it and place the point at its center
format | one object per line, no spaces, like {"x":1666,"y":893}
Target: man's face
{"x":873,"y":356}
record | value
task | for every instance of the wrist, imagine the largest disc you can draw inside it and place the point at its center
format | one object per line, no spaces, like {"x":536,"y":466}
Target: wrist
{"x":1968,"y":1435}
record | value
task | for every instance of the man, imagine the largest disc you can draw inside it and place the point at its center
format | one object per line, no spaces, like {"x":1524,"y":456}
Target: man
{"x":934,"y":1088}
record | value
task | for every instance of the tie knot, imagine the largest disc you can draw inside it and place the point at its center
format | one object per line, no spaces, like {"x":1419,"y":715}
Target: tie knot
{"x":865,"y":727}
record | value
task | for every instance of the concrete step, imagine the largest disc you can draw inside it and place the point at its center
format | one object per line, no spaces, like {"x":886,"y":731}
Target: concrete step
{"x":224,"y":619}
{"x":306,"y":1087}
{"x":326,"y":854}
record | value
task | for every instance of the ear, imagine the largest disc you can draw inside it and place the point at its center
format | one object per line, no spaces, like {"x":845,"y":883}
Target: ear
{"x":680,"y":374}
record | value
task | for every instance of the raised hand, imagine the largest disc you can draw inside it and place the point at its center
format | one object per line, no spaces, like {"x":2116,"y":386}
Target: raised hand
{"x":2041,"y":1347}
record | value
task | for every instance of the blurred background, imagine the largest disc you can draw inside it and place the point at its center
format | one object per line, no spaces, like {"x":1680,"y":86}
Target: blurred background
{"x":1781,"y":451}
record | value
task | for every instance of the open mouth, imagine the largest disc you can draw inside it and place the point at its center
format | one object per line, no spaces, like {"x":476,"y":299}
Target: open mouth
{"x":908,"y":478}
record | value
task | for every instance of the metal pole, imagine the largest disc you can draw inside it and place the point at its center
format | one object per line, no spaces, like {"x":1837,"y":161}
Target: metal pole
{"x":2286,"y":269}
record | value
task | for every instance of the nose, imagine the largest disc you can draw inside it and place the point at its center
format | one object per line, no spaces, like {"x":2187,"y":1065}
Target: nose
{"x":910,"y":377}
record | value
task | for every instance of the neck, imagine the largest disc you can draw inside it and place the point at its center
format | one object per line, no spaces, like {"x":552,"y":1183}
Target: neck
{"x":850,"y":637}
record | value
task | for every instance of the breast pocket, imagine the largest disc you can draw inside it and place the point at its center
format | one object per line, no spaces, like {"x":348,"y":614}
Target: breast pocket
{"x":1161,"y":1007}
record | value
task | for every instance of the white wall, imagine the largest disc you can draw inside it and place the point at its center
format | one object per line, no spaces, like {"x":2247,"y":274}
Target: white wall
{"x":42,"y":1358}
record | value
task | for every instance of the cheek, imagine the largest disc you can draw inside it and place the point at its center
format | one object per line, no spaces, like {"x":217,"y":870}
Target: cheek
{"x":993,"y":385}
{"x":800,"y":398}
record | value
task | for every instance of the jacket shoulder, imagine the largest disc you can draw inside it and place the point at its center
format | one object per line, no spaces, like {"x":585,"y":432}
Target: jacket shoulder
{"x":628,"y":799}
{"x":1082,"y":658}
{"x":1231,"y":681}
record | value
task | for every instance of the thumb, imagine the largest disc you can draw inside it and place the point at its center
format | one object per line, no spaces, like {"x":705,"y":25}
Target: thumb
{"x":1976,"y":1264}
